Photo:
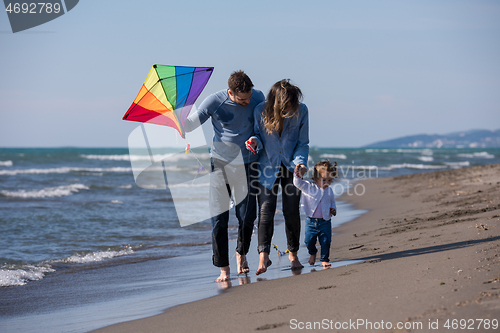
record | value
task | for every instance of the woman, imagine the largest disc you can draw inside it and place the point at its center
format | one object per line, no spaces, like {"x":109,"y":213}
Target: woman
{"x":282,"y":131}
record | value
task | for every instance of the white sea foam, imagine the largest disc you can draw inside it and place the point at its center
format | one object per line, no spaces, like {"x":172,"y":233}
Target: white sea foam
{"x":6,"y":163}
{"x":413,"y":166}
{"x":416,"y":151}
{"x":109,"y":157}
{"x":153,"y":186}
{"x":118,"y":202}
{"x":172,"y":157}
{"x":456,"y":165}
{"x":61,"y":170}
{"x":339,"y":156}
{"x":377,"y":150}
{"x":13,"y":276}
{"x":187,"y":184}
{"x":95,"y":256}
{"x":425,"y":151}
{"x":483,"y":154}
{"x":179,"y":157}
{"x":426,"y":158}
{"x":359,"y":167}
{"x":358,"y":171}
{"x":49,"y":192}
{"x":190,"y":184}
{"x":19,"y":277}
{"x":125,"y":157}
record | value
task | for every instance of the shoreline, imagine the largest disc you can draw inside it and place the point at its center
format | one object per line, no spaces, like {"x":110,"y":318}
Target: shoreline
{"x":110,"y":294}
{"x":429,"y":245}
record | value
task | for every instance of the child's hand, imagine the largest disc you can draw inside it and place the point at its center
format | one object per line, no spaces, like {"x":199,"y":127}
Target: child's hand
{"x":300,"y":170}
{"x":333,"y":211}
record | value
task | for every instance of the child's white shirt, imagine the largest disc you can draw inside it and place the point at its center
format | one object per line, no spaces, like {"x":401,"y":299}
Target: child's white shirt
{"x":313,"y":195}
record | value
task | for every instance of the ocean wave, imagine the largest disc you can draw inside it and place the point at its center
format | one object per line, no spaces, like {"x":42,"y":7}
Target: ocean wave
{"x":6,"y":163}
{"x":49,"y":192}
{"x":413,"y":166}
{"x":358,"y":167}
{"x":125,"y":157}
{"x":95,"y":256}
{"x":456,"y":165}
{"x":21,"y":276}
{"x":152,"y":186}
{"x":426,"y":158}
{"x":425,"y":151}
{"x":171,"y":157}
{"x":376,"y":150}
{"x":358,"y":171}
{"x":15,"y":275}
{"x":109,"y":187}
{"x":339,"y":156}
{"x":61,"y":170}
{"x":413,"y":151}
{"x":182,"y":156}
{"x":187,"y":184}
{"x":190,"y":184}
{"x":483,"y":154}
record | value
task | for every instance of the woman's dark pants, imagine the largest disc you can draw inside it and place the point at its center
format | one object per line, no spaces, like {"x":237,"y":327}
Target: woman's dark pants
{"x":267,"y":208}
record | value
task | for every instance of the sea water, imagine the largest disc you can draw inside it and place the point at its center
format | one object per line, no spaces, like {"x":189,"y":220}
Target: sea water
{"x":81,"y":206}
{"x":67,"y":213}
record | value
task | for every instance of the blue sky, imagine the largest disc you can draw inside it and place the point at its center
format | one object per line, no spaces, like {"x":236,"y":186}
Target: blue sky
{"x":369,"y":70}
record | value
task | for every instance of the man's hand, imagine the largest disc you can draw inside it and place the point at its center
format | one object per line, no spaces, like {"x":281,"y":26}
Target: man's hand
{"x":333,"y":211}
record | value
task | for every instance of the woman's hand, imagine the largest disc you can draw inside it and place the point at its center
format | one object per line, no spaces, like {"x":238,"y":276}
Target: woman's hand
{"x":300,"y":170}
{"x":251,"y":144}
{"x":333,"y":211}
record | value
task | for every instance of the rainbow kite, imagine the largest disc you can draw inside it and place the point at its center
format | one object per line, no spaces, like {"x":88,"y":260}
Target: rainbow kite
{"x":167,"y":95}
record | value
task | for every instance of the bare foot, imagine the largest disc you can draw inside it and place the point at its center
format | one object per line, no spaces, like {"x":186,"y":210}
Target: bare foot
{"x":241,"y":263}
{"x":224,"y":274}
{"x":312,"y":259}
{"x":294,"y":261}
{"x":326,"y":264}
{"x":264,"y":263}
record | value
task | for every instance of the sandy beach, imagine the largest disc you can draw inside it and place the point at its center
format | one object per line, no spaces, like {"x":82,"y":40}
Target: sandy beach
{"x":430,"y":261}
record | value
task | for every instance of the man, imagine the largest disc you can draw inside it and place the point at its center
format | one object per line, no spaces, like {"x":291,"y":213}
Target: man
{"x":232,"y":113}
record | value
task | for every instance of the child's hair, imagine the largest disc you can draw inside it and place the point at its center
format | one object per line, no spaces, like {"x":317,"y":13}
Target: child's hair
{"x":330,"y":168}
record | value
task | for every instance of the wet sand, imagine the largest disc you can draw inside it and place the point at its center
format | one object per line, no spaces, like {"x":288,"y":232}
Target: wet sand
{"x":81,"y":299}
{"x":429,"y":251}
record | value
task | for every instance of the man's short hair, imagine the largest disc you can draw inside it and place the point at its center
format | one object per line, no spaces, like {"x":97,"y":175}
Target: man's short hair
{"x":239,"y":82}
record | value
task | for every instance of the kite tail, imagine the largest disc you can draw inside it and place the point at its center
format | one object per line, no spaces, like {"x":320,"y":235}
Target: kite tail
{"x":188,"y":150}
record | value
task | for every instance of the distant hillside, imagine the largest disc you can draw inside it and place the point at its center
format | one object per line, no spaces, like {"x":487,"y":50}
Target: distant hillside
{"x":468,"y":139}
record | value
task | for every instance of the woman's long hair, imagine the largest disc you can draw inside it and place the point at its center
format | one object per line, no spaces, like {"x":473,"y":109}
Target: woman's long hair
{"x":282,"y":102}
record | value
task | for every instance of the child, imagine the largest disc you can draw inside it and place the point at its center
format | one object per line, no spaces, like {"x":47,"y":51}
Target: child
{"x":318,"y":202}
